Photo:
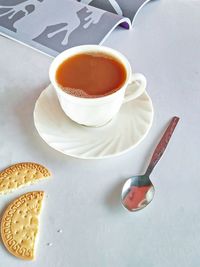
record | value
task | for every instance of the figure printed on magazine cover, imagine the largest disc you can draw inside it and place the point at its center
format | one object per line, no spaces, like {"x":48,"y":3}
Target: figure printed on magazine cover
{"x":113,"y":4}
{"x":24,"y":14}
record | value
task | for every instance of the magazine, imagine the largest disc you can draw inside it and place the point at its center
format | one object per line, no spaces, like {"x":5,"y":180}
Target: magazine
{"x":52,"y":26}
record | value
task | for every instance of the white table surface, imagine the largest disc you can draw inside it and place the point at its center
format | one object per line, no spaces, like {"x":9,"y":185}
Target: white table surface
{"x":84,"y":195}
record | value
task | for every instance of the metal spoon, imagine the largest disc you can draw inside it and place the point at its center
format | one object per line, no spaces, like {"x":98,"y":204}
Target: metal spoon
{"x":138,"y":191}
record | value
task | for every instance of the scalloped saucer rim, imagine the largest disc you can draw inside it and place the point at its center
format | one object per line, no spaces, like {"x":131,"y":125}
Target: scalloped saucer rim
{"x":48,"y":90}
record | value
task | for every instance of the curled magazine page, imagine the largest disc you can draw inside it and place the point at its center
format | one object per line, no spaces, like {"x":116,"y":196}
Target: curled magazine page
{"x":125,"y":8}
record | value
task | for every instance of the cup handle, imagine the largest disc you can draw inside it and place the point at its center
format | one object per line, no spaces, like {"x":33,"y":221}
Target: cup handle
{"x":136,"y":87}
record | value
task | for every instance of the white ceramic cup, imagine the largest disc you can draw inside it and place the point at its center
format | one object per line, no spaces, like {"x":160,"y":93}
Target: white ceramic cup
{"x":96,"y":111}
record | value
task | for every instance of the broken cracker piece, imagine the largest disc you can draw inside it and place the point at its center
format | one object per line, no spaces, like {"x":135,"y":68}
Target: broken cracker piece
{"x":19,"y":225}
{"x":21,"y":174}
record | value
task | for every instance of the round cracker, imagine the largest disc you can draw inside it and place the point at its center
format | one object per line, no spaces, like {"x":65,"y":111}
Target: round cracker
{"x":21,"y":174}
{"x":19,"y":225}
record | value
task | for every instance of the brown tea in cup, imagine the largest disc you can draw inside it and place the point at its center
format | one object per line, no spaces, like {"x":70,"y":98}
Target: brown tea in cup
{"x":91,"y":75}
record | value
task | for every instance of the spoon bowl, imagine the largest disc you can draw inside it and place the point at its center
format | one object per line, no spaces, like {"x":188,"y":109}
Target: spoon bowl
{"x":137,"y":193}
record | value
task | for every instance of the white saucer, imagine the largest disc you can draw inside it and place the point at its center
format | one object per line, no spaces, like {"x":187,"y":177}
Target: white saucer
{"x":123,"y":133}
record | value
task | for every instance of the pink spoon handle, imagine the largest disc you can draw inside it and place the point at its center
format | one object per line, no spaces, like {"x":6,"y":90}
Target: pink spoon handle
{"x":162,"y":145}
